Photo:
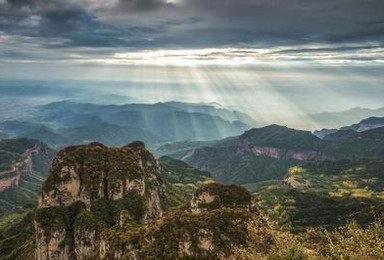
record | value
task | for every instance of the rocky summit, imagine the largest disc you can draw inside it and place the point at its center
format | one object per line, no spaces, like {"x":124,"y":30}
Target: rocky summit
{"x":90,"y":187}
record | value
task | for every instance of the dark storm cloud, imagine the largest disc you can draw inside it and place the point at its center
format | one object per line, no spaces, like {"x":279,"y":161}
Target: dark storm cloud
{"x":146,"y":24}
{"x":70,"y":23}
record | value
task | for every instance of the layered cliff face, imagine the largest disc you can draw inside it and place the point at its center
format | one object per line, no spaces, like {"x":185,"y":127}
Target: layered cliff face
{"x":245,"y":147}
{"x":25,"y":164}
{"x":91,"y":187}
{"x":281,"y":143}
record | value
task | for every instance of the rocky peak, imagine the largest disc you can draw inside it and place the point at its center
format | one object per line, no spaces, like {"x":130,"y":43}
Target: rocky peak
{"x":107,"y":203}
{"x":92,"y":172}
{"x":97,"y":184}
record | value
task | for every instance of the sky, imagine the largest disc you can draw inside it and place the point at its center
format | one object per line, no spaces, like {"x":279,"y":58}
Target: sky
{"x":276,"y":57}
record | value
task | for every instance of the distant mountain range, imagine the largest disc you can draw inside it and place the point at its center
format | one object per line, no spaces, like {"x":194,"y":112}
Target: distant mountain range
{"x":366,"y":124}
{"x":363,"y":125}
{"x":65,"y":123}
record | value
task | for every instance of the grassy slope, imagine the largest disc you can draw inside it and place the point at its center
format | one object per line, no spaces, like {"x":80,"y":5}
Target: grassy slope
{"x":326,"y":194}
{"x":17,"y":238}
{"x":181,"y":180}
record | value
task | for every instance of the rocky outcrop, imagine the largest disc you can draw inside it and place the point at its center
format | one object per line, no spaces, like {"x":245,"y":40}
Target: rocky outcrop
{"x":246,"y":147}
{"x":292,"y":179}
{"x":90,"y":187}
{"x":214,"y":221}
{"x":107,"y":203}
{"x":215,"y":196}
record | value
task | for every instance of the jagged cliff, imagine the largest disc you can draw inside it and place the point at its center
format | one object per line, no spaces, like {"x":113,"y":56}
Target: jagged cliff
{"x":90,"y":187}
{"x":245,"y":147}
{"x":208,"y":227}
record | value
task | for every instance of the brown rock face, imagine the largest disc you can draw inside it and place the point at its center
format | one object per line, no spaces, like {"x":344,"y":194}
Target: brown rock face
{"x":245,"y":147}
{"x":91,"y":185}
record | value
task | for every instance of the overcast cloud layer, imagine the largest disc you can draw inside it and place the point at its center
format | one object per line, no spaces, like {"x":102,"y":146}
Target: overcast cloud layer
{"x":243,"y":31}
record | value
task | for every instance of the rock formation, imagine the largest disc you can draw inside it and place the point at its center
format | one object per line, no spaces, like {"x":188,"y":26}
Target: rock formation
{"x":90,"y":187}
{"x":108,"y":203}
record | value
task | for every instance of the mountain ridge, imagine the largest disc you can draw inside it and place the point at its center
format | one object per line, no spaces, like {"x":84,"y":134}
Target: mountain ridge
{"x":266,"y":153}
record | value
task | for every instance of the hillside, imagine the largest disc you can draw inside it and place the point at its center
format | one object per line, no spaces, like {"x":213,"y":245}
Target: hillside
{"x":354,"y":145}
{"x":181,"y":180}
{"x":266,"y":153}
{"x":179,"y":147}
{"x":281,"y":137}
{"x":326,"y":194}
{"x":257,"y":155}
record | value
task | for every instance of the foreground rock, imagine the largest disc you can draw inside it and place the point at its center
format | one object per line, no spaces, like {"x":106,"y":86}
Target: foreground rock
{"x":90,"y":187}
{"x":206,"y":228}
{"x":108,"y":203}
